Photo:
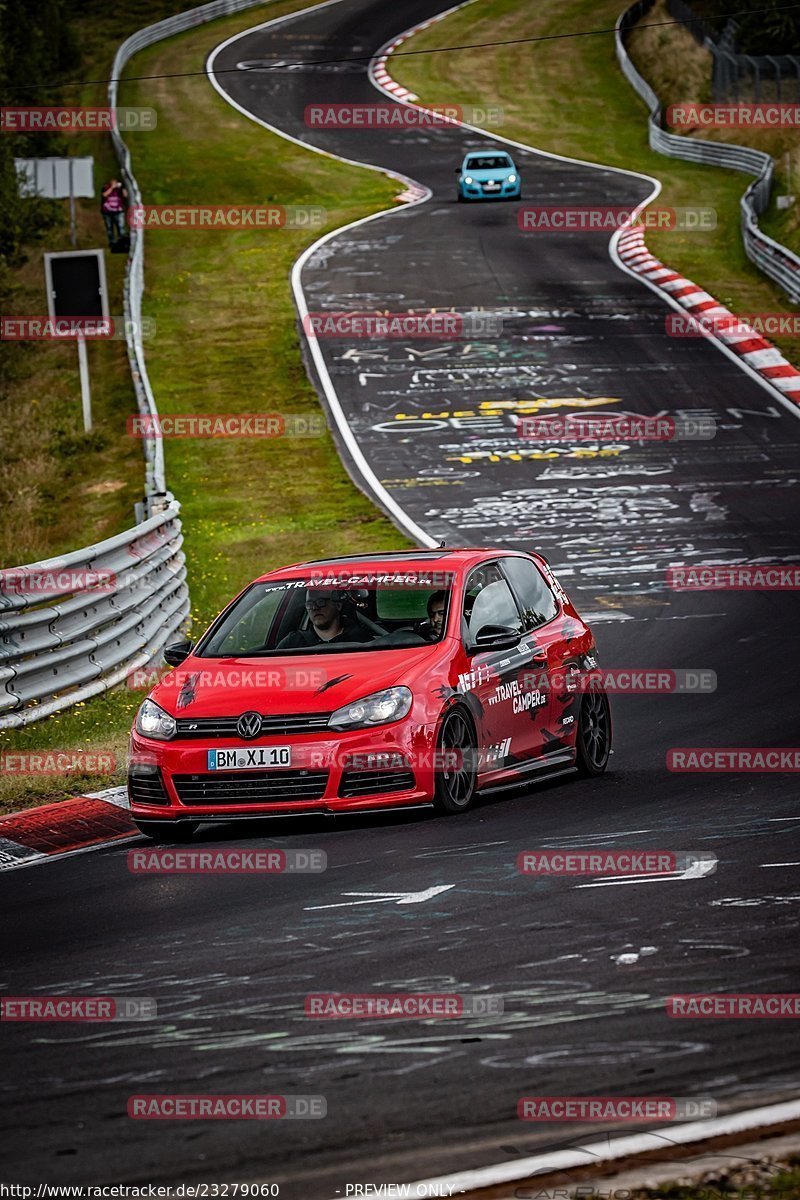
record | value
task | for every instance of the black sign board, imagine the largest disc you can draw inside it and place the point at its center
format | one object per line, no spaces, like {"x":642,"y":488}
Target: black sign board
{"x":76,"y":284}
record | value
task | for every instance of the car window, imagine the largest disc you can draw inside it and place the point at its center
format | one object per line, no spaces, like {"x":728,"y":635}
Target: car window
{"x":488,"y":162}
{"x":329,"y":613}
{"x":488,"y":601}
{"x":256,"y":613}
{"x":538,"y":602}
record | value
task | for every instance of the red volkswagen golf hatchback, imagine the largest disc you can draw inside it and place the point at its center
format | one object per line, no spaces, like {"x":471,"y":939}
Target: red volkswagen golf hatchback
{"x":371,"y":682}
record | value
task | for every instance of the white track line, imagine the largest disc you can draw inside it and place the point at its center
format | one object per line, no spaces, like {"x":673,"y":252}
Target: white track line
{"x":401,"y":517}
{"x":596,"y":1153}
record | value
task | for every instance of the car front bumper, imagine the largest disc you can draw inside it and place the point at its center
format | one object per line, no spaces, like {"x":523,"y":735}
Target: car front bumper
{"x":510,"y":191}
{"x":353,"y":771}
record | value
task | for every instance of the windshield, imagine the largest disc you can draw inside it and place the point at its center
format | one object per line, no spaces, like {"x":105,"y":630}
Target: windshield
{"x":323,"y":613}
{"x":496,"y":162}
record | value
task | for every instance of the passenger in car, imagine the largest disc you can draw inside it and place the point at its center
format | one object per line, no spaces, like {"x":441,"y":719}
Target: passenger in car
{"x":433,"y":628}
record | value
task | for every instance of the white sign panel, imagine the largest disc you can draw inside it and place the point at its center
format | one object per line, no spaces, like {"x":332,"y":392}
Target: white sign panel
{"x":50,"y":177}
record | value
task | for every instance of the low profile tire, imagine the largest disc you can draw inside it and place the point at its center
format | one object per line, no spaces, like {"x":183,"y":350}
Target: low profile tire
{"x":168,"y":831}
{"x":593,"y":743}
{"x":455,"y":784}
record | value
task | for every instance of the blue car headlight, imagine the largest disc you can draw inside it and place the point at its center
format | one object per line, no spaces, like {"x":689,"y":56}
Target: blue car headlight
{"x":511,"y":179}
{"x":468,"y":179}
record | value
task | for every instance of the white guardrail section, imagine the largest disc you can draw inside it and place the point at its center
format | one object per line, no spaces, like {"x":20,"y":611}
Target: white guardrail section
{"x":74,"y":626}
{"x":775,"y":260}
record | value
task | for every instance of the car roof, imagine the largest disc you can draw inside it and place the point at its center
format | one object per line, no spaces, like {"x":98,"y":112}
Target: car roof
{"x":487,"y":153}
{"x":455,"y":560}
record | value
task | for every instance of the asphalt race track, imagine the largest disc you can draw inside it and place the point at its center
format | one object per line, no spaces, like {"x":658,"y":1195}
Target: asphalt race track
{"x":583,"y":971}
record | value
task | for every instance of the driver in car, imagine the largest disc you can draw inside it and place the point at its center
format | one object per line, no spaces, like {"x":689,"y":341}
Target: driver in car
{"x":326,"y":622}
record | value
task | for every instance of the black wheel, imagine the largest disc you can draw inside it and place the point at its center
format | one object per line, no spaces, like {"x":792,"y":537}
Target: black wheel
{"x":456,"y":766}
{"x":460,"y":198}
{"x":167,"y":831}
{"x":594,"y":734}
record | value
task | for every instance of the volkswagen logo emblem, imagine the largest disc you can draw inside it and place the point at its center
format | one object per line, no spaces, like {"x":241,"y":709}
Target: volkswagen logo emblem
{"x":249,"y":725}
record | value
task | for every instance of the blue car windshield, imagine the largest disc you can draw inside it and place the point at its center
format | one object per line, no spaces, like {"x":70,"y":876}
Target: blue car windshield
{"x":496,"y":162}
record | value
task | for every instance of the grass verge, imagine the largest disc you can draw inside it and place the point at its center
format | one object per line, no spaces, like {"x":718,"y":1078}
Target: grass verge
{"x":569,"y":96}
{"x":225,"y":341}
{"x":764,"y":1179}
{"x":61,"y":488}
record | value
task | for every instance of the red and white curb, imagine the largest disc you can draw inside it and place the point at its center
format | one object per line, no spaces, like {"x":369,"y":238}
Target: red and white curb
{"x":380,"y":76}
{"x":377,"y":67}
{"x":756,"y":352}
{"x":414,"y":191}
{"x":746,"y":343}
{"x":67,"y":827}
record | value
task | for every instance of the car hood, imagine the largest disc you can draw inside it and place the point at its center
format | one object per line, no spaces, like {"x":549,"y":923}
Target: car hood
{"x":225,"y":687}
{"x":497,"y":174}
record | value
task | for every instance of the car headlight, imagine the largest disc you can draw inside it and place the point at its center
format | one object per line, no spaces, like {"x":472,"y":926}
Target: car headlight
{"x":468,"y":179}
{"x":377,"y":709}
{"x":153,"y":722}
{"x":511,"y":179}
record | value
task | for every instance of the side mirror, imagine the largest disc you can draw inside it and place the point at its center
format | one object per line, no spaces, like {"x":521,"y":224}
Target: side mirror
{"x":175,"y":654}
{"x":496,"y":637}
{"x":458,"y":170}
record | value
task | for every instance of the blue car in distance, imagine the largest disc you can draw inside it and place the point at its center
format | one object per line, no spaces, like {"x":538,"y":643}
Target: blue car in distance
{"x":488,"y":175}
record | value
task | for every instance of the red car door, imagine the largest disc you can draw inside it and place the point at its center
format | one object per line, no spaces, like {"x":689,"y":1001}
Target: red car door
{"x":559,"y":639}
{"x":509,"y":729}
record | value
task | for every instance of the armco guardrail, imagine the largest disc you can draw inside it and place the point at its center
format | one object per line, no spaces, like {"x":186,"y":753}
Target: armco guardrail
{"x":75,"y":626}
{"x":775,"y":260}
